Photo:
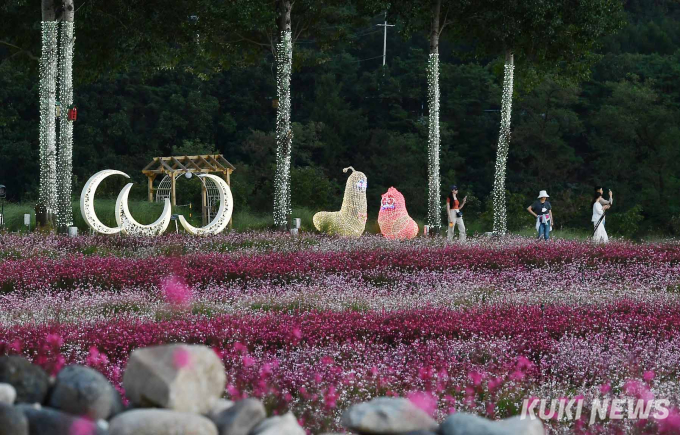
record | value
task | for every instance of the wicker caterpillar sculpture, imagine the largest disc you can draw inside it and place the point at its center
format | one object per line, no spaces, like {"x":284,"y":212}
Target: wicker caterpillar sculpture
{"x":394,"y":221}
{"x":350,"y":221}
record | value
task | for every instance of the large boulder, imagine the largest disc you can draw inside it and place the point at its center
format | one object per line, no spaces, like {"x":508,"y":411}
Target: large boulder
{"x":220,"y":406}
{"x":241,"y":418}
{"x":12,"y":421}
{"x":83,"y":391}
{"x":47,"y":421}
{"x":7,"y":394}
{"x":284,"y":425}
{"x":30,"y":381}
{"x":469,"y":424}
{"x":387,"y":415}
{"x":179,"y":377}
{"x":160,"y":422}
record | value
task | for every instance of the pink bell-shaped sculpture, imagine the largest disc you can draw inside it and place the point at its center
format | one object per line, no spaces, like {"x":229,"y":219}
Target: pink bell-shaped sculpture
{"x":394,"y":221}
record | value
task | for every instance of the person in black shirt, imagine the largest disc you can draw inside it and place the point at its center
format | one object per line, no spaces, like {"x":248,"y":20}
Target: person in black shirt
{"x":542,"y":211}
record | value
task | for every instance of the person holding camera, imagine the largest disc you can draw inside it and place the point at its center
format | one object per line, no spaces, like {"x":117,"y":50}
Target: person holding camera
{"x":600,"y":207}
{"x":453,"y":210}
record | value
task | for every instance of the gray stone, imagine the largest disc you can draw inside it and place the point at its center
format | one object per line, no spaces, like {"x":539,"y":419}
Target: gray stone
{"x":160,"y":422}
{"x":12,"y":421}
{"x":219,"y":406}
{"x":85,"y":392}
{"x":470,"y":424}
{"x":387,"y":415}
{"x":7,"y":394}
{"x":241,"y":418}
{"x":284,"y":425}
{"x":47,"y":421}
{"x":179,"y":377}
{"x":30,"y":381}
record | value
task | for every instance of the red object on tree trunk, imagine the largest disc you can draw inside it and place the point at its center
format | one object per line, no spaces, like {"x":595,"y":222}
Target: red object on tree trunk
{"x":73,"y":113}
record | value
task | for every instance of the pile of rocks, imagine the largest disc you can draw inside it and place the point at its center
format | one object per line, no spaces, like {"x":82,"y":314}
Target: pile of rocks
{"x":176,"y":390}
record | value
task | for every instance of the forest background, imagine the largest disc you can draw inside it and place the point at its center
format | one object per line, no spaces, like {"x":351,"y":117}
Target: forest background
{"x":619,"y":129}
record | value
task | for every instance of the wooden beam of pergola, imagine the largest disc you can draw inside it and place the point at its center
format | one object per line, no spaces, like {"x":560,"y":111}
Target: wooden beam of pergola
{"x":173,"y":165}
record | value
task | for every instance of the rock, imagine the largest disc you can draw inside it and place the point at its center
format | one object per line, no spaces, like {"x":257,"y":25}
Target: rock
{"x":283,"y":425}
{"x":218,"y":407}
{"x":83,"y":391}
{"x":47,"y":421}
{"x":160,"y":422}
{"x":30,"y":381}
{"x":387,"y":415}
{"x":7,"y":394}
{"x":241,"y":418}
{"x":470,"y":424}
{"x":179,"y":377}
{"x":12,"y":421}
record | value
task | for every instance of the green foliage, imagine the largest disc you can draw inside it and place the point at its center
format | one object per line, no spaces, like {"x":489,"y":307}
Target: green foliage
{"x":626,"y":224}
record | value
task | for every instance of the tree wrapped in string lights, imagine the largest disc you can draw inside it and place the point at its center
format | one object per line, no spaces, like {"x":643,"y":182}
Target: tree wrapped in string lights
{"x":47,"y":195}
{"x":56,"y":128}
{"x":284,"y":133}
{"x":433,"y":144}
{"x":500,"y":220}
{"x":65,"y":156}
{"x":350,"y":221}
{"x":394,"y":221}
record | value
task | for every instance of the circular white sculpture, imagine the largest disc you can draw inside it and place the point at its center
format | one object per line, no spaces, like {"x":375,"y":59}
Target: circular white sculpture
{"x":223,"y":213}
{"x":129,"y":225}
{"x":87,"y":201}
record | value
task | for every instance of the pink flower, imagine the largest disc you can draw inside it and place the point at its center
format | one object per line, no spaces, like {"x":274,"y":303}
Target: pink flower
{"x":82,"y":426}
{"x":248,"y":361}
{"x":648,"y":376}
{"x":181,"y":358}
{"x":476,"y":378}
{"x":671,"y":424}
{"x":176,"y":292}
{"x":55,"y":341}
{"x":605,"y":388}
{"x":330,"y":398}
{"x":425,"y":401}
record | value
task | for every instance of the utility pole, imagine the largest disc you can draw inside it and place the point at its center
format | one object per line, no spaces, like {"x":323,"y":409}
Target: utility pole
{"x":385,"y":25}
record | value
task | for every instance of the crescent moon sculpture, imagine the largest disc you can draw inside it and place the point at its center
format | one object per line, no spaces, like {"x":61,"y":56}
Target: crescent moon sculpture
{"x":129,"y":225}
{"x":223,"y":213}
{"x":87,"y":201}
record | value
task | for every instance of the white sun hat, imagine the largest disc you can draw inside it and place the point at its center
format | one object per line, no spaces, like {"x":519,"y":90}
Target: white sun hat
{"x":543,"y":194}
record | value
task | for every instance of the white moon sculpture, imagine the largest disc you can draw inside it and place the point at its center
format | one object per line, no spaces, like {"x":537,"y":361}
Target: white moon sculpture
{"x":129,"y":225}
{"x":223,"y":213}
{"x":87,"y":202}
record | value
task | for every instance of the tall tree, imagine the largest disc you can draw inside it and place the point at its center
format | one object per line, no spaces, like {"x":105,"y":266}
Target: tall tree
{"x":65,"y":154}
{"x":47,"y":200}
{"x":557,"y":37}
{"x":284,"y":132}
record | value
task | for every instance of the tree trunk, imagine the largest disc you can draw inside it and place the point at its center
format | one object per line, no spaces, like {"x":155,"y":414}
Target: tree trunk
{"x":500,"y":225}
{"x":65,"y":156}
{"x":284,"y":133}
{"x":434,"y":209}
{"x":47,"y":202}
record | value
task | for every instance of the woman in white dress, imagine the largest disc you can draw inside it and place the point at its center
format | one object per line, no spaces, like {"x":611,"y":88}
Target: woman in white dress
{"x":600,"y":205}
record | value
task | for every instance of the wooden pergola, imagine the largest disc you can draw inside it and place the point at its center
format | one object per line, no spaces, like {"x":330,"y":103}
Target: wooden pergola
{"x":175,"y":165}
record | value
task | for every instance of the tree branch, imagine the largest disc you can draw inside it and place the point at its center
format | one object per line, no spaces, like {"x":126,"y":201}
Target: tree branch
{"x":262,"y":44}
{"x":20,"y":50}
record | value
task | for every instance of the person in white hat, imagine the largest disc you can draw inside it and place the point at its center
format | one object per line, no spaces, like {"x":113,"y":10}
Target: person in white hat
{"x":542,"y":211}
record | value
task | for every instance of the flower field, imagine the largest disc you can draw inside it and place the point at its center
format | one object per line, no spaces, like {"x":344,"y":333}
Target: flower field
{"x":314,"y":323}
